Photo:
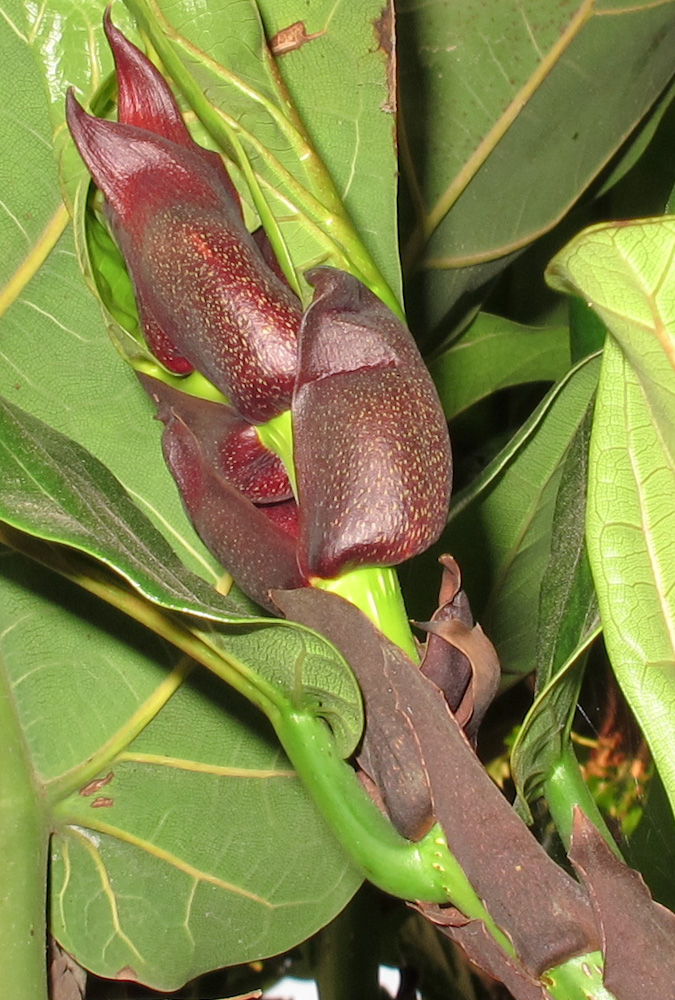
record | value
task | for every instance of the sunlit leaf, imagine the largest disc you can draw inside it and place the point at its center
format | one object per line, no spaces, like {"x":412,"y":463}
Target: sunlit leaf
{"x":626,"y":272}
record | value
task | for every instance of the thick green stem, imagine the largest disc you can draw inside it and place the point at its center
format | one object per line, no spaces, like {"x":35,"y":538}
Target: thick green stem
{"x":375,"y":590}
{"x":347,"y":951}
{"x":23,"y":864}
{"x":578,"y":979}
{"x":425,"y":870}
{"x":565,"y":788}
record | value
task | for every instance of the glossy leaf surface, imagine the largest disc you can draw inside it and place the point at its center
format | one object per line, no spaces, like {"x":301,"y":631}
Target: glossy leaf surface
{"x":494,"y":353}
{"x":53,"y":489}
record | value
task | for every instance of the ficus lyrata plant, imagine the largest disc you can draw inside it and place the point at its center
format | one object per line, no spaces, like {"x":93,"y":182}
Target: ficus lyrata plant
{"x":216,"y":722}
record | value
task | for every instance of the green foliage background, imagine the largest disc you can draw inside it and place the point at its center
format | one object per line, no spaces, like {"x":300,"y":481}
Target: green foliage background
{"x":519,"y":125}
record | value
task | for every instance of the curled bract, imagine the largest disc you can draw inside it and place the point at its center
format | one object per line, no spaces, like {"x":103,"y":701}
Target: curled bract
{"x":372,"y":451}
{"x":207,"y":300}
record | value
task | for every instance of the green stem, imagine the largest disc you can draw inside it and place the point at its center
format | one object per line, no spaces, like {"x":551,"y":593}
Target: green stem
{"x":425,"y":870}
{"x":375,"y":590}
{"x":565,"y":788}
{"x":579,"y":978}
{"x":346,"y":963}
{"x":277,"y":435}
{"x":23,"y":868}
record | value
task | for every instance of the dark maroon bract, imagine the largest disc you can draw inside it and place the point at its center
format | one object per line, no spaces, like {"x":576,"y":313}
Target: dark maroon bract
{"x":372,"y":451}
{"x":206,"y":298}
{"x":371,"y":448}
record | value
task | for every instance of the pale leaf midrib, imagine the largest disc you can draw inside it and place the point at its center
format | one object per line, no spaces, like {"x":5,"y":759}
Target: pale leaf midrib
{"x":458,"y":184}
{"x":34,"y":260}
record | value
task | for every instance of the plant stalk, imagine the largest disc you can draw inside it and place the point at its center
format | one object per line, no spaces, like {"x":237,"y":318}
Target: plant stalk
{"x":346,"y":962}
{"x":565,"y":788}
{"x":580,"y":978}
{"x":24,"y":840}
{"x":423,"y":870}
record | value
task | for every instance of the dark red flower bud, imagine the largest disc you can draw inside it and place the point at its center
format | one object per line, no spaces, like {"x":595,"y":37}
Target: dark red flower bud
{"x":228,"y":443}
{"x":206,"y":297}
{"x":372,"y":452}
{"x":235,"y":491}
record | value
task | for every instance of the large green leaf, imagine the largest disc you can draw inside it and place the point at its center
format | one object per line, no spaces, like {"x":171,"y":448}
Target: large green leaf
{"x":57,"y":361}
{"x":494,"y":353}
{"x":342,"y":84}
{"x":50,"y":487}
{"x":626,"y":272}
{"x":176,"y":815}
{"x":500,"y":528}
{"x":510,"y":110}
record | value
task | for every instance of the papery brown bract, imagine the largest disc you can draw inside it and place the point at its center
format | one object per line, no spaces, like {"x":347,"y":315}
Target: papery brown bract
{"x":206,"y":297}
{"x":372,"y":451}
{"x":445,"y":665}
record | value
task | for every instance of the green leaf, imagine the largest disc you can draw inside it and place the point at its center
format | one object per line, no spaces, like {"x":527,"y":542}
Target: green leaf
{"x":567,"y":604}
{"x":639,"y":142}
{"x":176,"y":815}
{"x":69,"y":49}
{"x":50,"y":487}
{"x":568,"y":623}
{"x":57,"y":361}
{"x":507,"y":516}
{"x":510,"y":110}
{"x":342,"y":84}
{"x":494,"y":353}
{"x":626,"y":272}
{"x":231,"y":82}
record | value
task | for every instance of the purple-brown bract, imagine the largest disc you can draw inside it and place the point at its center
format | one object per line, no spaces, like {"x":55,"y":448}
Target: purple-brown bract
{"x":207,"y":299}
{"x":372,"y":454}
{"x":372,"y":451}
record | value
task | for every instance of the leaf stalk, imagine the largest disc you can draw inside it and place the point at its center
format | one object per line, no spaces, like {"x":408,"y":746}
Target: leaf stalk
{"x":24,"y":839}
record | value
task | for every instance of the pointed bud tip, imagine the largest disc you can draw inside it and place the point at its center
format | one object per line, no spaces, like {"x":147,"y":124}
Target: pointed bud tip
{"x":116,"y":40}
{"x":108,"y":25}
{"x":76,"y":118}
